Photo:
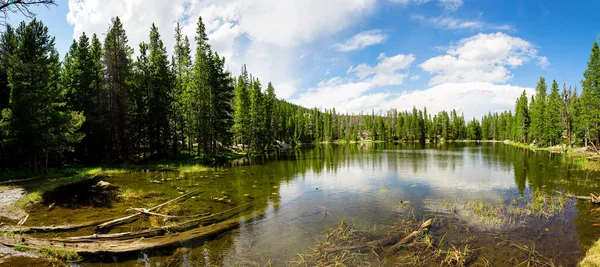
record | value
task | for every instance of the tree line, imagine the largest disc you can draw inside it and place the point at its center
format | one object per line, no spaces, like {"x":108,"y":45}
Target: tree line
{"x":101,"y":105}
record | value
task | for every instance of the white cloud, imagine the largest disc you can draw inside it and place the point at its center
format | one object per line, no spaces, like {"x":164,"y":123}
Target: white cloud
{"x":543,"y":62}
{"x":414,"y":78}
{"x":451,"y":5}
{"x":350,"y":94}
{"x":406,"y":2}
{"x":387,"y":72}
{"x":481,"y":58}
{"x":449,"y":22}
{"x":448,"y":5}
{"x":472,"y":98}
{"x":452,"y":23}
{"x":361,"y":40}
{"x":262,"y":33}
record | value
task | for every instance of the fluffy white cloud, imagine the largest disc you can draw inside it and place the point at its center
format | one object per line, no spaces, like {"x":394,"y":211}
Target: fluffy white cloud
{"x":352,"y":94}
{"x":361,"y":40}
{"x":481,"y":58}
{"x":244,"y":31}
{"x":473,"y":99}
{"x":387,"y":72}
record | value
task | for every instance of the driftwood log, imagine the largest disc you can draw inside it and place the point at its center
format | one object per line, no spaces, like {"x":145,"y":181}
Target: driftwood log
{"x":393,"y":240}
{"x":136,"y":244}
{"x":136,"y":215}
{"x":99,"y":223}
{"x":595,"y":199}
{"x":179,"y":227}
{"x":422,"y":229}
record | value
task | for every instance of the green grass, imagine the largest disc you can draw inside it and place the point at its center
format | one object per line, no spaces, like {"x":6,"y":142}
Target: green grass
{"x":592,"y":256}
{"x":52,"y":252}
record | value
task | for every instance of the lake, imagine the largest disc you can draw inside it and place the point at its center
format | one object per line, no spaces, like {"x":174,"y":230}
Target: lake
{"x":495,"y":200}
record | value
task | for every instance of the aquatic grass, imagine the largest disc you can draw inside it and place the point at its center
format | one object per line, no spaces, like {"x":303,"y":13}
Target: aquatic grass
{"x":129,"y":194}
{"x":193,"y":168}
{"x":51,"y":253}
{"x":592,"y":256}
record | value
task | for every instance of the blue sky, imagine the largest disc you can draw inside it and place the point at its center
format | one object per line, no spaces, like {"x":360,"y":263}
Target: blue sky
{"x":362,"y":55}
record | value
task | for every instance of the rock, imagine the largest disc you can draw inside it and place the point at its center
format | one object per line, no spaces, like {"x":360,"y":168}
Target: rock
{"x":103,"y":184}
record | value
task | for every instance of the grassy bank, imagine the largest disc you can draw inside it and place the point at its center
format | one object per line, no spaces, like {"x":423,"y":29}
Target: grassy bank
{"x":36,"y":184}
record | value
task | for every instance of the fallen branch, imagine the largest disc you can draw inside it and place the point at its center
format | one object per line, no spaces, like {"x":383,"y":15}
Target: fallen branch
{"x":21,"y":222}
{"x":133,"y":216}
{"x":595,"y":199}
{"x":423,"y":228}
{"x":146,"y":212}
{"x":385,"y":241}
{"x":153,"y":231}
{"x":21,"y":180}
{"x":136,"y":244}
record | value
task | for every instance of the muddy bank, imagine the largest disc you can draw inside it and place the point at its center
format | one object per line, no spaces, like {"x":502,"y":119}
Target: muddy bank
{"x":8,"y":199}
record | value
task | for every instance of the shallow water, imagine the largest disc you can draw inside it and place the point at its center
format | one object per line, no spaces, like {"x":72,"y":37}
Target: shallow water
{"x":311,"y":190}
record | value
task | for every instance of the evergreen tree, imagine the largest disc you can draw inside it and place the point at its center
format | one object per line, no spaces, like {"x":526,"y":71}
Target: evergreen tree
{"x":182,"y":63}
{"x":256,"y":115}
{"x":141,"y":93}
{"x":160,"y":99}
{"x":521,"y":126}
{"x":590,"y":97}
{"x":222,"y":94}
{"x":38,"y":120}
{"x":538,"y":110}
{"x":270,"y":101}
{"x":117,"y":65}
{"x":242,"y":111}
{"x":553,"y":122}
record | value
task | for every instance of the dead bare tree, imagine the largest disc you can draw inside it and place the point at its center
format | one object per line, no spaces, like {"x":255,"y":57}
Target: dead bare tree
{"x":21,"y":6}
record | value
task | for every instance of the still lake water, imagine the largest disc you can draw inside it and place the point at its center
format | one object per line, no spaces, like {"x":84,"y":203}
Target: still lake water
{"x":311,"y":190}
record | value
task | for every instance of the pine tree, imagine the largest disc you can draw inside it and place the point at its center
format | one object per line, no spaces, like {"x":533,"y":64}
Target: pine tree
{"x":161,"y":85}
{"x":521,"y":120}
{"x":200,"y":87}
{"x":270,"y":101}
{"x":242,"y":110}
{"x":140,"y":99}
{"x":553,"y":121}
{"x":96,"y":135}
{"x":256,"y":115}
{"x":182,"y":63}
{"x":222,"y":95}
{"x":590,"y":97}
{"x":538,"y":110}
{"x":117,"y":64}
{"x":37,"y":118}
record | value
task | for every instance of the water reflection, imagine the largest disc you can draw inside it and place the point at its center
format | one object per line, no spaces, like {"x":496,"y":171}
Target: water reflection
{"x":309,"y":190}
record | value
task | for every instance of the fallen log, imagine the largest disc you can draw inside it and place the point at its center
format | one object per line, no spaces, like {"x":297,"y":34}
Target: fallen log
{"x":384,"y":241}
{"x":134,"y":216}
{"x":422,"y":229}
{"x":136,"y":244}
{"x":595,"y":199}
{"x":180,"y":227}
{"x":20,"y":180}
{"x":146,"y":212}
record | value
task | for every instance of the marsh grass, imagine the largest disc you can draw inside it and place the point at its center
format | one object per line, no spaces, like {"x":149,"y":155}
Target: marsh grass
{"x":128,"y":194}
{"x":52,"y":253}
{"x":541,"y":204}
{"x":337,"y":247}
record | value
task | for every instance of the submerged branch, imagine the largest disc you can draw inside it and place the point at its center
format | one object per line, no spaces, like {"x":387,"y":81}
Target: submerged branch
{"x":133,"y":216}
